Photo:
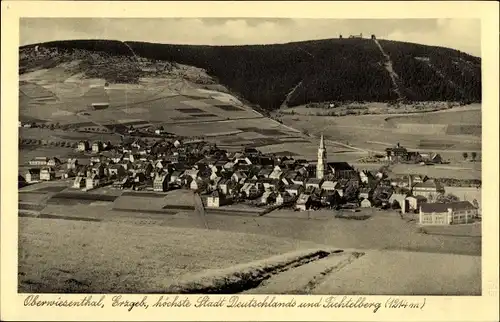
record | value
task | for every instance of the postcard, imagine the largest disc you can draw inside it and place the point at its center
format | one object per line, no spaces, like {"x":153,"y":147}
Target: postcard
{"x":201,"y":161}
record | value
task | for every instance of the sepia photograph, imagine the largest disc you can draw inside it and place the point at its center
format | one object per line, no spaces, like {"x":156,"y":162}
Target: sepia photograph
{"x":302,"y":162}
{"x":253,"y":156}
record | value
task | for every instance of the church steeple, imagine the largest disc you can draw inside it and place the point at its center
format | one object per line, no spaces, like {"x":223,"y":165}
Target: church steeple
{"x":320,"y":166}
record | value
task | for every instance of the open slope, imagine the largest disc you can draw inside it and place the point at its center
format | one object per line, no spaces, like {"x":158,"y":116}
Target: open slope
{"x":300,"y":72}
{"x":75,"y":256}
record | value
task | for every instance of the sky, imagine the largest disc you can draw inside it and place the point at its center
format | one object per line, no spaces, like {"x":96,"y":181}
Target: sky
{"x":460,"y":34}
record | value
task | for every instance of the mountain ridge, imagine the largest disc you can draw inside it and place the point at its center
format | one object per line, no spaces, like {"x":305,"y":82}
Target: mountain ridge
{"x":268,"y":75}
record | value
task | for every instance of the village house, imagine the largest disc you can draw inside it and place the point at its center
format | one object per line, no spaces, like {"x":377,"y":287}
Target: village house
{"x":314,"y":182}
{"x":98,"y":169}
{"x":123,"y":183}
{"x":431,"y":157}
{"x":399,"y":182}
{"x":113,"y":156}
{"x":47,"y":174}
{"x":330,"y":198}
{"x":268,"y":197}
{"x":366,"y":203}
{"x":414,"y":202}
{"x":65,"y":173}
{"x":401,"y":200}
{"x":216,"y":171}
{"x":429,"y":189}
{"x":160,"y":131}
{"x":303,"y":202}
{"x":175,"y":177}
{"x":328,"y":185}
{"x":461,"y":212}
{"x":32,"y":175}
{"x":83,"y":146}
{"x":341,"y":170}
{"x":54,"y":162}
{"x":126,"y":164}
{"x":397,"y":153}
{"x":225,"y":185}
{"x":116,"y":170}
{"x":72,"y":163}
{"x":276,"y":173}
{"x":250,"y":190}
{"x":283,"y":198}
{"x":193,"y":173}
{"x":216,"y":199}
{"x":366,"y":177}
{"x":239,"y":177}
{"x":97,"y":147}
{"x":270,"y":184}
{"x":79,"y":182}
{"x":39,"y":161}
{"x":291,"y":174}
{"x":161,"y":164}
{"x":197,"y":185}
{"x":286,"y":182}
{"x":161,"y":181}
{"x":214,"y":183}
{"x":94,"y":181}
{"x":299,"y":179}
{"x":414,"y":157}
{"x":265,"y":173}
{"x":138,"y":144}
{"x":97,"y":159}
{"x":340,"y":187}
{"x":365,"y":193}
{"x":229,"y":166}
{"x":382,"y":193}
{"x":144,"y":167}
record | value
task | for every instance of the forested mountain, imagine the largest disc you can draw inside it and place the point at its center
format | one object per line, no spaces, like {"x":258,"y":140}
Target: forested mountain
{"x":301,"y":72}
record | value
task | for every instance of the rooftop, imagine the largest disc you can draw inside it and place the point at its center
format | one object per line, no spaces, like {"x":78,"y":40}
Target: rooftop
{"x":443,"y":207}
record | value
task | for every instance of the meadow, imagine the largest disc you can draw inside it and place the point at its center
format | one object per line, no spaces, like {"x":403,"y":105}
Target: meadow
{"x":58,"y":256}
{"x":382,"y":230}
{"x":439,"y":132}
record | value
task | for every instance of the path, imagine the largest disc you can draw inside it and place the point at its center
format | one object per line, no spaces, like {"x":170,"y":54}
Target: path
{"x":200,"y":209}
{"x":131,"y":50}
{"x":388,"y":66}
{"x":287,"y":98}
{"x":382,"y":272}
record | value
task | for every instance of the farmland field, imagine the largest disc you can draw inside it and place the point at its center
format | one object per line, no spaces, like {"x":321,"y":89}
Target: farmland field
{"x":383,"y":230}
{"x":74,"y":266}
{"x":179,"y":106}
{"x":415,"y":131}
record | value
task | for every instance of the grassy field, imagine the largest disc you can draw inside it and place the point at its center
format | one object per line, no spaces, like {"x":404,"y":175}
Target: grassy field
{"x":412,"y":131}
{"x":74,"y":256}
{"x":383,"y":230}
{"x":183,"y":108}
{"x":466,"y":193}
{"x":458,"y":171}
{"x":405,"y":273}
{"x":27,"y":154}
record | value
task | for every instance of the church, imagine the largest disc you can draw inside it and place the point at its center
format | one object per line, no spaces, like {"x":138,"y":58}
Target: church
{"x":339,"y":170}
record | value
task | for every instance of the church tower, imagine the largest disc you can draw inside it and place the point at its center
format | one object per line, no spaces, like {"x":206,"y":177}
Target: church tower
{"x":320,"y":166}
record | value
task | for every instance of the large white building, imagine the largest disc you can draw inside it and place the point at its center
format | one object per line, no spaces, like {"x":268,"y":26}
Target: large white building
{"x":460,"y":212}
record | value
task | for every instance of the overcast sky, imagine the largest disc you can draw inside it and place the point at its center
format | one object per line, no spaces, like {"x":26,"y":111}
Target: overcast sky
{"x":461,"y":34}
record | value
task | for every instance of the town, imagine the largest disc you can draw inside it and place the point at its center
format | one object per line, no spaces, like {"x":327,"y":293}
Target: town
{"x":263,"y":180}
